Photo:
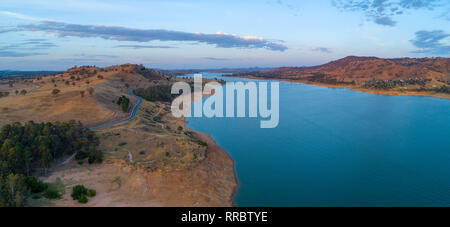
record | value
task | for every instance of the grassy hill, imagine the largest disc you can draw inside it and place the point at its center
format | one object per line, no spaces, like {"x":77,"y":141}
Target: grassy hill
{"x":400,"y":74}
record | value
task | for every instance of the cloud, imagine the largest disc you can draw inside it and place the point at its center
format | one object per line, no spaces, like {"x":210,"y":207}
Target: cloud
{"x":418,"y":4}
{"x":91,"y":56}
{"x":385,"y":21}
{"x":382,"y":12}
{"x":431,"y":42}
{"x":222,"y":40}
{"x":143,"y":47}
{"x":21,"y":16}
{"x":30,"y":44}
{"x":14,"y":54}
{"x":321,"y":49}
{"x":216,"y":59}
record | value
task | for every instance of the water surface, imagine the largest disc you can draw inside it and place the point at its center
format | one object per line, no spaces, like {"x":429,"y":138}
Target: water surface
{"x":336,"y":147}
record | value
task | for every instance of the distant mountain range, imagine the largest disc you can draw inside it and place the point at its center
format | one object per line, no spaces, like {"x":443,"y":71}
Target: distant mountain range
{"x":25,"y":74}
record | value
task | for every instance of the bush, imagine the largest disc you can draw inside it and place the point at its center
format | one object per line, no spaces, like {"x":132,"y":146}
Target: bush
{"x":52,"y":193}
{"x":83,"y":199}
{"x":56,"y":91}
{"x":81,"y":155}
{"x":95,"y":156}
{"x":157,"y":119}
{"x":91,"y":90}
{"x":91,"y":193}
{"x":201,"y":143}
{"x":78,"y":192}
{"x":124,"y":102}
{"x":35,"y":185}
{"x":36,"y":196}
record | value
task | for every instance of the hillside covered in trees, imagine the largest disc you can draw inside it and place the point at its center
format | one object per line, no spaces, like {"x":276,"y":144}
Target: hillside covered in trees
{"x":32,"y":148}
{"x":161,"y":93}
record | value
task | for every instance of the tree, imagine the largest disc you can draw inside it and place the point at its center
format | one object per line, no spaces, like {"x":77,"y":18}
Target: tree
{"x":13,"y":190}
{"x":91,"y":91}
{"x":124,"y":102}
{"x":154,"y":93}
{"x":35,"y":185}
{"x":55,"y":92}
{"x":25,"y":147}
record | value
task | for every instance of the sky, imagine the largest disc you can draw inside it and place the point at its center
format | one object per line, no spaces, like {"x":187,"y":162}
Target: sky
{"x":187,"y":34}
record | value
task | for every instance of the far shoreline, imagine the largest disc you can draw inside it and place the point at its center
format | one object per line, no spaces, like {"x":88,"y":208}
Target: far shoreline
{"x":365,"y":90}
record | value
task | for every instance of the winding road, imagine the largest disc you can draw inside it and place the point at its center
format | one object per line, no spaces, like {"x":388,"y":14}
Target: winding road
{"x":131,"y":117}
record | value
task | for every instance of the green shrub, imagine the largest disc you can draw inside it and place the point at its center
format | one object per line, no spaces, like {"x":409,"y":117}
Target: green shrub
{"x":35,"y":185}
{"x":95,"y":156}
{"x":83,"y":199}
{"x":201,"y":143}
{"x":78,"y":191}
{"x":91,"y":193}
{"x":157,"y":119}
{"x":124,"y":102}
{"x":36,"y":196}
{"x":52,"y":193}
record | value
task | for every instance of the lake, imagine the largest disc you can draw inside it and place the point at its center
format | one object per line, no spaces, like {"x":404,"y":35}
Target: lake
{"x":337,"y":147}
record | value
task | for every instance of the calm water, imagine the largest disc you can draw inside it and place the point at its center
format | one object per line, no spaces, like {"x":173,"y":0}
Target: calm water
{"x":336,"y":147}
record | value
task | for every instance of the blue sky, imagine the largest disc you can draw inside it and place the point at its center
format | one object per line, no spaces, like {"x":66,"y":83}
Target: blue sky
{"x":56,"y":35}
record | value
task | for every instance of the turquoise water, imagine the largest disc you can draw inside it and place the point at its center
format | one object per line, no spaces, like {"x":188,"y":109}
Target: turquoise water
{"x":336,"y":147}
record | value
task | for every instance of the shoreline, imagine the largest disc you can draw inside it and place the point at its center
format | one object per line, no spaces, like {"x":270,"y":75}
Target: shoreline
{"x":213,"y":147}
{"x":365,"y":90}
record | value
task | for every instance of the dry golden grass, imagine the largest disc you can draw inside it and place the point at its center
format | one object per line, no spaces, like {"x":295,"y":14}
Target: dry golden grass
{"x":147,"y":162}
{"x":153,"y":164}
{"x":41,"y":105}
